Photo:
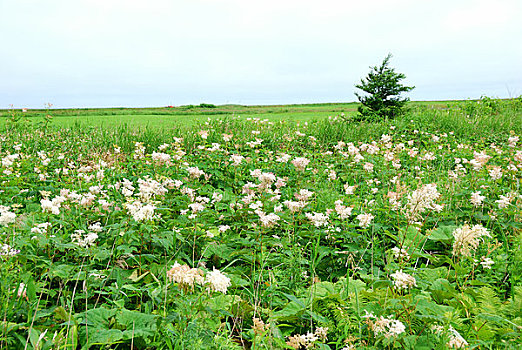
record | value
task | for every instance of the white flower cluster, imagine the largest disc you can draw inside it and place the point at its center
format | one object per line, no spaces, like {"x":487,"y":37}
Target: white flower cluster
{"x":512,"y":141}
{"x":185,"y":275}
{"x":300,"y":163}
{"x":504,"y":201}
{"x":318,"y":219}
{"x":84,"y":239}
{"x":456,"y":341}
{"x":342,"y":210}
{"x":403,"y":280}
{"x":139,"y":150}
{"x":307,"y":341}
{"x":400,"y":253}
{"x":477,"y":199}
{"x":467,"y":239}
{"x":388,"y":327}
{"x":52,"y":206}
{"x":6,"y":250}
{"x":365,"y":219}
{"x":195,"y":172}
{"x":161,"y":158}
{"x":479,"y":160}
{"x":6,"y":216}
{"x":283,"y":158}
{"x":217,"y":281}
{"x":188,"y":277}
{"x":267,"y":220}
{"x":140,"y":211}
{"x":149,"y":189}
{"x":236,"y":159}
{"x":41,"y":228}
{"x":421,"y":200}
{"x":9,"y":160}
{"x":495,"y":172}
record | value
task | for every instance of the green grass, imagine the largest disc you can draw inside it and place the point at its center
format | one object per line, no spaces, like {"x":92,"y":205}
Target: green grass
{"x":189,"y":115}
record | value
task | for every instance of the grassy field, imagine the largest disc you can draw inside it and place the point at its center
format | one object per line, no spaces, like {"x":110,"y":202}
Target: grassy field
{"x":244,"y":233}
{"x":189,"y":115}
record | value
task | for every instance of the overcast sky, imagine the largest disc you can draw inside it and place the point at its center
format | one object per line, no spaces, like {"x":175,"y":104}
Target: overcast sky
{"x":95,"y":53}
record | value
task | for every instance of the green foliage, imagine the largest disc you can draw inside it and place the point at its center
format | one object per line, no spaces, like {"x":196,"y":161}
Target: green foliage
{"x":287,"y":279}
{"x":382,"y":88}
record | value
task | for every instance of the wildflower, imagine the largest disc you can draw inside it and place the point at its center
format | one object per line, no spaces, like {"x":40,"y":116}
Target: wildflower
{"x":318,"y":219}
{"x":512,"y":141}
{"x":163,"y":147}
{"x":400,"y":253}
{"x":254,"y":144}
{"x":300,"y":163}
{"x":218,"y":281}
{"x":477,"y":199}
{"x":84,"y":239}
{"x":161,"y":158}
{"x":236,"y":159}
{"x":349,"y":189}
{"x":504,"y":201}
{"x":196,"y":207}
{"x":300,"y":341}
{"x":203,"y":134}
{"x":41,"y":228}
{"x":365,"y":219}
{"x":185,"y":276}
{"x":294,"y":206}
{"x":139,"y":151}
{"x":321,"y":333}
{"x":223,"y":228}
{"x":52,"y":206}
{"x":195,"y":172}
{"x":479,"y":160}
{"x":303,"y":195}
{"x":421,"y":200}
{"x":467,"y":239}
{"x":268,"y":220}
{"x":217,"y":197}
{"x":22,"y":290}
{"x":259,"y":326}
{"x":140,"y":211}
{"x":388,"y":327}
{"x":368,"y":167}
{"x":96,"y":227}
{"x":227,"y":137}
{"x":486,"y":263}
{"x":283,"y":158}
{"x":495,"y":172}
{"x":6,"y":217}
{"x":6,"y":250}
{"x":456,"y":340}
{"x":342,"y":210}
{"x":403,"y":280}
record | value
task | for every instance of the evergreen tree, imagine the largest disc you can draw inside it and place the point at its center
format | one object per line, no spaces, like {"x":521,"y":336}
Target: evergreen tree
{"x":383,"y":88}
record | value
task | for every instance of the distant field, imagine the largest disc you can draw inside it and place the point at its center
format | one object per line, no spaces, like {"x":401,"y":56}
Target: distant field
{"x":186,"y":115}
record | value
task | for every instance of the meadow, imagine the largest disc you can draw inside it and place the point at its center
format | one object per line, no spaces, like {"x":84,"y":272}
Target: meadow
{"x":262,"y":227}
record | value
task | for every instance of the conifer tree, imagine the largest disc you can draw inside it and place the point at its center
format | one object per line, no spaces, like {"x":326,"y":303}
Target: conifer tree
{"x":382,"y":87}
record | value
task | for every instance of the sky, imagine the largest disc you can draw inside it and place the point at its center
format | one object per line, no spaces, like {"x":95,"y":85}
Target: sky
{"x":111,"y":53}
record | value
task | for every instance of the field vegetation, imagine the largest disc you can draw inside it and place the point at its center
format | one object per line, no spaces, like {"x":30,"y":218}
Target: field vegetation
{"x":280,"y":227}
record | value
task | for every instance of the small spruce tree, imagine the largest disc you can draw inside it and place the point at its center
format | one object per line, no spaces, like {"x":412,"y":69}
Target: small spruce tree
{"x":383,"y":88}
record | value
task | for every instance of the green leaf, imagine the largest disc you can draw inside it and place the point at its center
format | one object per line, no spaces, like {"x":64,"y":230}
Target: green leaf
{"x":101,"y":336}
{"x":442,"y":234}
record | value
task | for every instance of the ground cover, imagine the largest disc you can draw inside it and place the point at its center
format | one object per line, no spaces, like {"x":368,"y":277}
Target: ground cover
{"x":189,"y":115}
{"x":266,"y":234}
